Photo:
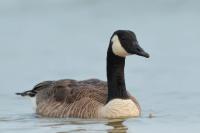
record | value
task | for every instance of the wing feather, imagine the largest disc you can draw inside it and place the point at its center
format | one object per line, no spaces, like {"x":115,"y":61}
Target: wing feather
{"x":70,"y":98}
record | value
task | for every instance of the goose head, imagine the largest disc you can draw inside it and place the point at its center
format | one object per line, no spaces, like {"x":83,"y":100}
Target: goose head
{"x":124,"y":43}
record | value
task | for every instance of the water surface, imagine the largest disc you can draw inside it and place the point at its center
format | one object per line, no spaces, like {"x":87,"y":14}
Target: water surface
{"x":49,"y":40}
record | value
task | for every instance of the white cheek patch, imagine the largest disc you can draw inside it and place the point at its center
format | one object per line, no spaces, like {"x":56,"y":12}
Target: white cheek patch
{"x":117,"y":47}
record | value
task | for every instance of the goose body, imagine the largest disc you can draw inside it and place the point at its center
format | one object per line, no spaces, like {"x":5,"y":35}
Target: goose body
{"x":92,"y":98}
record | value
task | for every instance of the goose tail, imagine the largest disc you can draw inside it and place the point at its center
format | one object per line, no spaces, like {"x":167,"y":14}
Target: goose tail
{"x":30,"y":93}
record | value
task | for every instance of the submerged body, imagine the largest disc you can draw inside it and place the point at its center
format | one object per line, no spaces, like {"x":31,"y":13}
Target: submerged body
{"x":93,"y":98}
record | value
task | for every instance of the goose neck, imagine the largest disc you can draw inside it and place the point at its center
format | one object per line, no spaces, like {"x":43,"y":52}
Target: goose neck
{"x":115,"y":76}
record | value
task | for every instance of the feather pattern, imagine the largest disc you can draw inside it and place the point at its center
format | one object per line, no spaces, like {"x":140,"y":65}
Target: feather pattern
{"x":71,"y":98}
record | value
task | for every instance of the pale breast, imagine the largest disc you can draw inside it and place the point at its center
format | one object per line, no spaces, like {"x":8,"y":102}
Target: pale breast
{"x":119,"y":108}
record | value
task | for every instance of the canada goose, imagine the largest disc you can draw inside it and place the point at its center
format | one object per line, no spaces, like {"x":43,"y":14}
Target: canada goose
{"x":92,"y":98}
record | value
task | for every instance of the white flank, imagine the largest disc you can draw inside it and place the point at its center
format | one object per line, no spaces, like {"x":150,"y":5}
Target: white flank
{"x":117,"y":47}
{"x":117,"y":108}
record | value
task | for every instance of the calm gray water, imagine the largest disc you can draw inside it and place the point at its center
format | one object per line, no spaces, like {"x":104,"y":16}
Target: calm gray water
{"x":54,"y":39}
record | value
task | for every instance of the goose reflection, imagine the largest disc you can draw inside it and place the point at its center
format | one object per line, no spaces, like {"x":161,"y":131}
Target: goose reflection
{"x":117,"y":126}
